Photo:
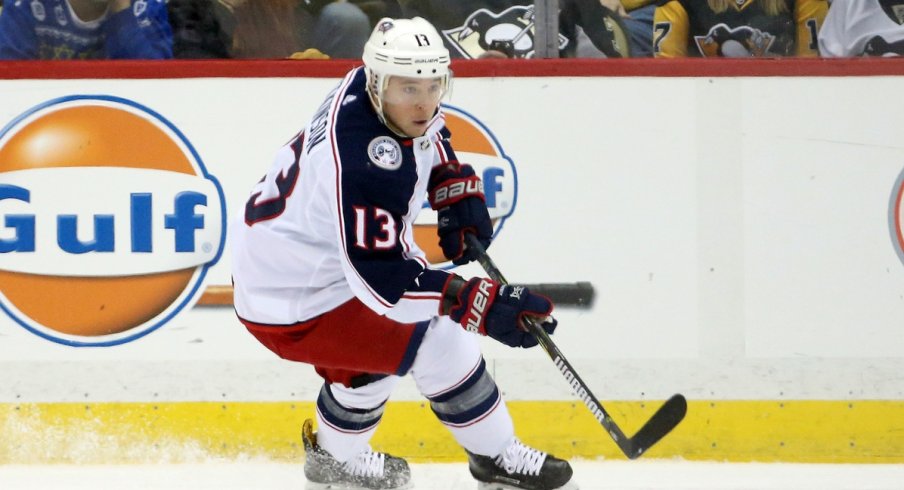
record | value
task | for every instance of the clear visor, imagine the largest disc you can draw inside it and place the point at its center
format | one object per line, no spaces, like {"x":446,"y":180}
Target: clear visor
{"x":414,"y":91}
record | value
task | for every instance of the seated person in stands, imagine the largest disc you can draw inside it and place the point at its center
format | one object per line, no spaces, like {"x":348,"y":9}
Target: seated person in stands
{"x":737,"y":28}
{"x":274,"y":28}
{"x":863,"y":28}
{"x":84,"y":29}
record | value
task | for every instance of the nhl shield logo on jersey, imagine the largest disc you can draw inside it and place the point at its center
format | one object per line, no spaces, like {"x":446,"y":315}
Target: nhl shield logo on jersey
{"x":477,"y":146}
{"x":109,"y":221}
{"x":385,"y":153}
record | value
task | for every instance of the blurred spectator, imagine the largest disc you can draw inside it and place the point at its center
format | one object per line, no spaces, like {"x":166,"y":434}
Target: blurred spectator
{"x":84,"y":29}
{"x":737,"y":28}
{"x":268,"y":28}
{"x":494,"y":28}
{"x":639,"y":22}
{"x":637,"y":17}
{"x":863,"y":28}
{"x":340,"y":28}
{"x":198,"y":31}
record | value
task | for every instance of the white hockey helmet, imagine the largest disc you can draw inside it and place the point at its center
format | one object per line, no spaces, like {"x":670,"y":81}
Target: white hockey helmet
{"x":405,"y":48}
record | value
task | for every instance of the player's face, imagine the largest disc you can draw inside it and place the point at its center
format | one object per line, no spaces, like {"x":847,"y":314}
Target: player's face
{"x":410,"y":103}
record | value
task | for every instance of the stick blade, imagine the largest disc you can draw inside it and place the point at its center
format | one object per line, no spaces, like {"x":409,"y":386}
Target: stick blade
{"x":669,"y":415}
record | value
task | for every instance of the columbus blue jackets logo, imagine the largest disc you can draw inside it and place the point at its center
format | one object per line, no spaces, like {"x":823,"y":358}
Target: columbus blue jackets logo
{"x":385,"y":26}
{"x":510,"y":32}
{"x":109,"y":221}
{"x":385,"y":153}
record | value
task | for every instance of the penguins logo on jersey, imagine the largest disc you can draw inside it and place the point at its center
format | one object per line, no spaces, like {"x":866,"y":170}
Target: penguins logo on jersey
{"x":510,"y":32}
{"x":738,"y":42}
{"x":894,"y":10}
{"x":878,"y":46}
{"x":385,"y":153}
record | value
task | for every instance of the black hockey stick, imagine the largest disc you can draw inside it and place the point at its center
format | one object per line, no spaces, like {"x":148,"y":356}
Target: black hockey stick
{"x":661,"y":423}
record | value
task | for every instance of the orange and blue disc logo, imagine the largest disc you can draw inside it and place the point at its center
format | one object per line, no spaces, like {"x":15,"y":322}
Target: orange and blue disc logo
{"x":896,"y":216}
{"x":477,"y":146}
{"x":109,"y":220}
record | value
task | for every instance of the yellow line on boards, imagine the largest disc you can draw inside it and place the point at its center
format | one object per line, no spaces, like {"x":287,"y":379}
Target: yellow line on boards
{"x":870,"y":431}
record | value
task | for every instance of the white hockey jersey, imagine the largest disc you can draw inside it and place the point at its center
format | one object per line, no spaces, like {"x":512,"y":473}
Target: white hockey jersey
{"x":333,"y":218}
{"x":863,"y":28}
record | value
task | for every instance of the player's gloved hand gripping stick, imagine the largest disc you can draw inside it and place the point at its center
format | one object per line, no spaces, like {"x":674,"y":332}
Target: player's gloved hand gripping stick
{"x":661,"y":423}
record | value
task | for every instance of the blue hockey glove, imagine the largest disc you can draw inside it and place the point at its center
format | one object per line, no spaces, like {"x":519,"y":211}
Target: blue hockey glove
{"x":486,"y":307}
{"x":456,"y":193}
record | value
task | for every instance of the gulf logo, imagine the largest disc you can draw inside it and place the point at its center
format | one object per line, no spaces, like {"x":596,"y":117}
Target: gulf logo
{"x":477,"y":146}
{"x":896,"y":216}
{"x":108,"y":220}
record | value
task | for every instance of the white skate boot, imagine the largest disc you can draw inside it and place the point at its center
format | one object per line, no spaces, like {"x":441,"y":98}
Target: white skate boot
{"x":366,"y":471}
{"x":520,"y":467}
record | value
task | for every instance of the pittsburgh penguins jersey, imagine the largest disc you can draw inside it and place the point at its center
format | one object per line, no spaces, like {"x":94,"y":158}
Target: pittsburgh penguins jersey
{"x":50,"y":30}
{"x":863,"y":28}
{"x":470,"y":28}
{"x":333,"y":218}
{"x":745,"y":28}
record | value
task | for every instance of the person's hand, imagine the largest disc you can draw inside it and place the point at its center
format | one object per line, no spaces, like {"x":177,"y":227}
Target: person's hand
{"x":486,"y":307}
{"x":457,"y":195}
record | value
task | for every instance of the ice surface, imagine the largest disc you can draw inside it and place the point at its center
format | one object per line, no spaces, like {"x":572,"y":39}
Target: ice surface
{"x":589,"y":475}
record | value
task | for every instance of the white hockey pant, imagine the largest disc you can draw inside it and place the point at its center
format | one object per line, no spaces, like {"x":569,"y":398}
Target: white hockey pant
{"x":450,"y":371}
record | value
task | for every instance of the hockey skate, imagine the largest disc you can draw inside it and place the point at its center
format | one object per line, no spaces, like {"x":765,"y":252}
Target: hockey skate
{"x":520,"y":467}
{"x":366,"y":471}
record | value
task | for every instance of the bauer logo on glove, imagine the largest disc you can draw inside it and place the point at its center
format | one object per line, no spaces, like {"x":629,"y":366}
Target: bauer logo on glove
{"x":457,"y":195}
{"x":488,"y":308}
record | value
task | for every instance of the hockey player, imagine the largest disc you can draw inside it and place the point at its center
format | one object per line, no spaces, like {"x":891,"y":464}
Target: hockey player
{"x":863,"y":28}
{"x":326,"y":272}
{"x":737,"y":28}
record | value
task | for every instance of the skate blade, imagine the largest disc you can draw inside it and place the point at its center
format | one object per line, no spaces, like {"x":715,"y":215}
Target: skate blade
{"x":309,"y":485}
{"x":503,"y":486}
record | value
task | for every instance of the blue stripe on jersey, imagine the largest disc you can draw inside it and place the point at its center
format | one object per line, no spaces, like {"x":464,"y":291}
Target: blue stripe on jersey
{"x":420,"y":329}
{"x":375,"y":197}
{"x":469,"y":401}
{"x":344,"y":418}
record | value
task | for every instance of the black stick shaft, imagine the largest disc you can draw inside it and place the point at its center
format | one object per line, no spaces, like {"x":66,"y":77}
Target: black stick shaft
{"x":577,"y":384}
{"x":663,"y":421}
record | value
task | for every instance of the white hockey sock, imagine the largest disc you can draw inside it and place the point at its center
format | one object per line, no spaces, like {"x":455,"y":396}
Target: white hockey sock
{"x":348,"y":417}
